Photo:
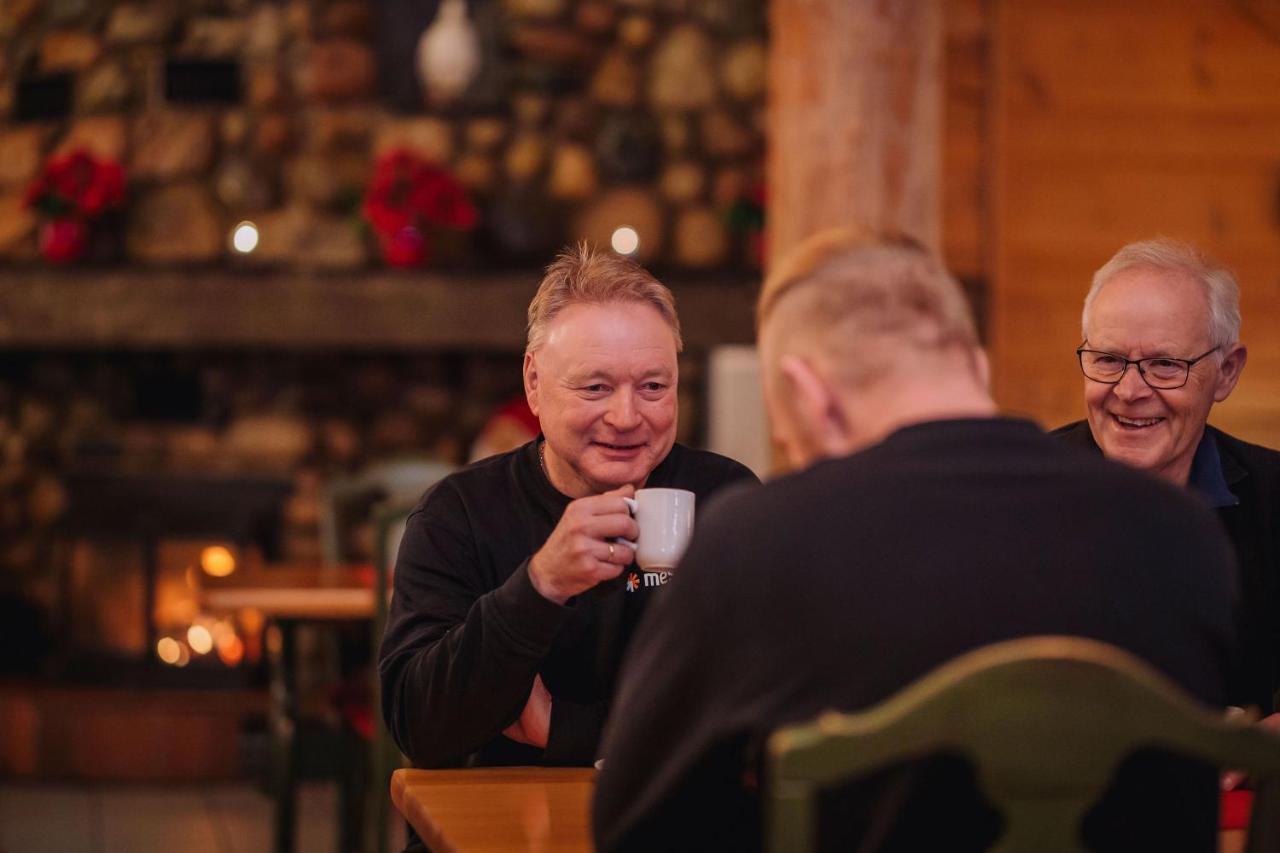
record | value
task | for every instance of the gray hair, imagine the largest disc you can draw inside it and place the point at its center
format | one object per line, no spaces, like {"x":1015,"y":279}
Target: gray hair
{"x":1221,"y":289}
{"x":582,"y":274}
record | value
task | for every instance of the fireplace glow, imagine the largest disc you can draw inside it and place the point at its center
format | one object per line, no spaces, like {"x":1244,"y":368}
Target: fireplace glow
{"x":217,"y":561}
{"x":200,"y":640}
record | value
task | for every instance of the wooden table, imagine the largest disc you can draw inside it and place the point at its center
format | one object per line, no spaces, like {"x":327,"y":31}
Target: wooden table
{"x":547,"y":809}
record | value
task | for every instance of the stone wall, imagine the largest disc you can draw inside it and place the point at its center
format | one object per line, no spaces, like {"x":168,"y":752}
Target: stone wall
{"x":308,"y":417}
{"x":587,"y":115}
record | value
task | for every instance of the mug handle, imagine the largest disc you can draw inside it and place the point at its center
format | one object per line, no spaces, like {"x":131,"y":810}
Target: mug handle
{"x":632,"y":506}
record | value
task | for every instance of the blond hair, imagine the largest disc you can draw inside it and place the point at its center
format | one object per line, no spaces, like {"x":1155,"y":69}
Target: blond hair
{"x":860,"y":298}
{"x":581,"y":274}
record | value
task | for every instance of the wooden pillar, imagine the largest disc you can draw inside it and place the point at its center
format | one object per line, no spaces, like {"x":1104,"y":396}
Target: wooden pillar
{"x":854,"y":118}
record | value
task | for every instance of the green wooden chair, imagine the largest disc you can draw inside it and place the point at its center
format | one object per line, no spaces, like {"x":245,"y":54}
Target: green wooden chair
{"x":1045,"y":721}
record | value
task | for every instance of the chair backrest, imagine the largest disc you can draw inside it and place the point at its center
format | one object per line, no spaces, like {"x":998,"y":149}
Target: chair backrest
{"x":1045,"y":721}
{"x":358,"y":496}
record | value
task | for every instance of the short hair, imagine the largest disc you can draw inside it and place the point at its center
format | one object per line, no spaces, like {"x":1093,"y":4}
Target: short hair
{"x":862,"y":297}
{"x":581,"y":274}
{"x":1221,"y":289}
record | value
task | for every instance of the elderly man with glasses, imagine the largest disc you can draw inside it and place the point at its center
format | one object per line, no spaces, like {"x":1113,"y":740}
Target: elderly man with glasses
{"x":1161,"y":329}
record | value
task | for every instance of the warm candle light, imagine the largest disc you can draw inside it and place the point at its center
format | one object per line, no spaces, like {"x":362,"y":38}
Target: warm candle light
{"x":244,"y":237}
{"x":200,"y":639}
{"x":625,"y":240}
{"x":217,"y":561}
{"x":169,"y":650}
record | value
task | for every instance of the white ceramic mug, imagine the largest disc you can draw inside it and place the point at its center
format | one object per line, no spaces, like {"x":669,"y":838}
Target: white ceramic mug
{"x":665,"y":518}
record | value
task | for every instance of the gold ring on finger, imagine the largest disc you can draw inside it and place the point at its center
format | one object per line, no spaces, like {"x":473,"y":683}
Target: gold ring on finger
{"x":611,"y":552}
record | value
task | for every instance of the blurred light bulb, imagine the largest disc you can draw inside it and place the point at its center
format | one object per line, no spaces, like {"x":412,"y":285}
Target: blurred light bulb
{"x":200,"y":639}
{"x":169,"y":650}
{"x":218,"y":561}
{"x":625,"y":240}
{"x":244,"y":237}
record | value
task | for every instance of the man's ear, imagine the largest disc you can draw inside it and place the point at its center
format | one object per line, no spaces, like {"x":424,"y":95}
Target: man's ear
{"x":982,"y":367}
{"x":531,"y":382}
{"x":819,"y":413}
{"x":1229,"y":372}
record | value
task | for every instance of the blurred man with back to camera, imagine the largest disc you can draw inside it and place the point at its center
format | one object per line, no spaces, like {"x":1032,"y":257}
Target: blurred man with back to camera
{"x":919,"y":525}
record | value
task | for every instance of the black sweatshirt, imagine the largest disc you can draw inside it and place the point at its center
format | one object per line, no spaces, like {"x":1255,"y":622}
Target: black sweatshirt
{"x":467,"y":631}
{"x":857,"y":576}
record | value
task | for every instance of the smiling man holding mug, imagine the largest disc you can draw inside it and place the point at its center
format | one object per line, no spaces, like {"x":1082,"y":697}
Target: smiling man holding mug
{"x":515,"y":588}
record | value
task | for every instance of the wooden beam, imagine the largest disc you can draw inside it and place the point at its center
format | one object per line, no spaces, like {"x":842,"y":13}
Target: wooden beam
{"x":125,"y":309}
{"x":855,"y":118}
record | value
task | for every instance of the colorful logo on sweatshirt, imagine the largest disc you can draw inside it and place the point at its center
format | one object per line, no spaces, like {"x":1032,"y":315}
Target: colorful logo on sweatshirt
{"x":647,"y":579}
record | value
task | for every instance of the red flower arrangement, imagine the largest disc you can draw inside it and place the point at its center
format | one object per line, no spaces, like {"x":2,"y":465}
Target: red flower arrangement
{"x":72,"y":189}
{"x":409,"y":201}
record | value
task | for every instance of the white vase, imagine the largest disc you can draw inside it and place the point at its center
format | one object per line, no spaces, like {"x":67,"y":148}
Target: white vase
{"x":448,"y":53}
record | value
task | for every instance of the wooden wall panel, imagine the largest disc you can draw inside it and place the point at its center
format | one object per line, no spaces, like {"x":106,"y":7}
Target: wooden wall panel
{"x":1114,"y":122}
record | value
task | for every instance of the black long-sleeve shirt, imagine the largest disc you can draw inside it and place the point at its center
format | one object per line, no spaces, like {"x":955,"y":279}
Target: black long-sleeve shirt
{"x":837,"y":586}
{"x":467,"y":631}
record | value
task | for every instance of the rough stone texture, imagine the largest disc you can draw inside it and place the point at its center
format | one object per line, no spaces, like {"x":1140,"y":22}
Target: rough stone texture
{"x":105,"y":87}
{"x":617,"y":81}
{"x":573,"y":173}
{"x":266,"y":31}
{"x":636,"y":31}
{"x":171,"y":144}
{"x":179,"y":223}
{"x":675,"y":133}
{"x":242,"y":187}
{"x":595,"y":16}
{"x":279,"y":233}
{"x":276,"y":442}
{"x":299,"y":22}
{"x":743,"y":70}
{"x":14,"y":16}
{"x":103,"y":136}
{"x":701,"y":240}
{"x":332,"y":243}
{"x":131,"y":23}
{"x":325,"y":179}
{"x":215,"y":37}
{"x":723,"y":136}
{"x":23,"y":149}
{"x":533,"y":8}
{"x":273,"y":135}
{"x":69,"y":50}
{"x":346,"y":18}
{"x":683,"y":182}
{"x":525,"y":156}
{"x":431,"y":138}
{"x":633,"y":207}
{"x":264,"y":86}
{"x":17,"y":226}
{"x":477,"y":172}
{"x":576,"y":119}
{"x":681,"y":74}
{"x":731,"y":184}
{"x":233,"y":129}
{"x":531,"y":108}
{"x":337,"y":69}
{"x":484,"y":134}
{"x":340,"y":129}
{"x":552,"y":44}
{"x":299,"y":236}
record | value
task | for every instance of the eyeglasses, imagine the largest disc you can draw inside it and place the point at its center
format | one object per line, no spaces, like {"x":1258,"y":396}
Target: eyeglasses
{"x":1161,"y":373}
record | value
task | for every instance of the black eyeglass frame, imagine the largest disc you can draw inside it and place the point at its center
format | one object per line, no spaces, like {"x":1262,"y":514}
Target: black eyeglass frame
{"x":1188,"y":363}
